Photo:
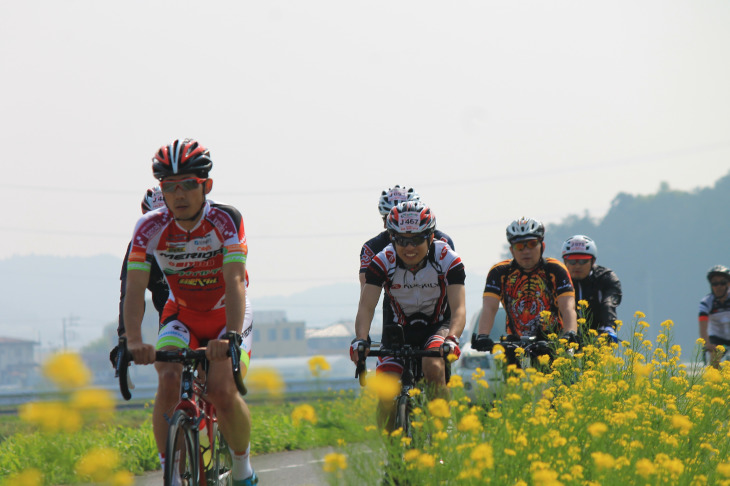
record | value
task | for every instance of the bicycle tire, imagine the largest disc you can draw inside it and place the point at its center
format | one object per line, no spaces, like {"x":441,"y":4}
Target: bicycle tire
{"x":403,"y":415}
{"x":219,"y":470}
{"x":182,"y":452}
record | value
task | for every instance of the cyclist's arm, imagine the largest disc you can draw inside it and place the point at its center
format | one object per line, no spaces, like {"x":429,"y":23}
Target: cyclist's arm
{"x":137,"y":281}
{"x":369,"y":297}
{"x":611,"y":298}
{"x":566,"y":305}
{"x":704,"y":333}
{"x":457,"y":303}
{"x":490,"y":306}
{"x":361,"y":277}
{"x":234,"y":274}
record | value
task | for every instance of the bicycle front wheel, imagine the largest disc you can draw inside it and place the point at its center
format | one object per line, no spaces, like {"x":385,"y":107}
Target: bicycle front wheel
{"x":403,"y":415}
{"x":182,"y":452}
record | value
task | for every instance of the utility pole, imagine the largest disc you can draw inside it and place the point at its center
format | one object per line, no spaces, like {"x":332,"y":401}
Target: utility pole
{"x":69,"y":321}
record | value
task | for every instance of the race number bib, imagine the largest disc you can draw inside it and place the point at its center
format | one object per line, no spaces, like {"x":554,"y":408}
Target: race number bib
{"x":409,"y":222}
{"x":397,"y":195}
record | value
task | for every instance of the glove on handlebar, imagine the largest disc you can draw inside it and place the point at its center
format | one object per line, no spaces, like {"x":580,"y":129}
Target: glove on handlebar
{"x":482,"y":342}
{"x":451,"y":346}
{"x":356,"y":344}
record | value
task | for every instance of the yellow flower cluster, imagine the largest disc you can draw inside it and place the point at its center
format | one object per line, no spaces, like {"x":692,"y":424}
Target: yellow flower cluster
{"x":318,"y":365}
{"x":303,"y":413}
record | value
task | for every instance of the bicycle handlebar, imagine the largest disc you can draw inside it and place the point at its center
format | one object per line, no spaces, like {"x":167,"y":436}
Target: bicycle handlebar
{"x":404,"y":352}
{"x":182,"y":355}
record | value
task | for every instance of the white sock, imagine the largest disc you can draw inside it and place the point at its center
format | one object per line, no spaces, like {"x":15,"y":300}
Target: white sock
{"x":162,"y":460}
{"x":241,"y":464}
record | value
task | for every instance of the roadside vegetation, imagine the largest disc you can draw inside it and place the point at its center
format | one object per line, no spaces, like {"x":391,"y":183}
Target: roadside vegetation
{"x":623,"y":414}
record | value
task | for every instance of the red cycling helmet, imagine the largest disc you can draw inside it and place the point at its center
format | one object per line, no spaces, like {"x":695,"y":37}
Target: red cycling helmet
{"x":182,"y":157}
{"x":411,"y":217}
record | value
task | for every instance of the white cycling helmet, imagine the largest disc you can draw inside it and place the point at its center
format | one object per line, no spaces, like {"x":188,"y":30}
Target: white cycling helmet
{"x":718,"y":270}
{"x":152,"y":200}
{"x":411,"y":217}
{"x":525,"y":229}
{"x":580,"y":245}
{"x":394,"y":195}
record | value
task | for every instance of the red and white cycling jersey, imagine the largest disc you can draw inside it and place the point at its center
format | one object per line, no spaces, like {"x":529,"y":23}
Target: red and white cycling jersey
{"x":192,"y":261}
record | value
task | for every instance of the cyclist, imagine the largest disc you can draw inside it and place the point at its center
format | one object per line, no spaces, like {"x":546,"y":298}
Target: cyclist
{"x":528,"y":285}
{"x":200,"y":246}
{"x":389,"y":198}
{"x":424,"y":279}
{"x":597,"y":285}
{"x":157,"y":286}
{"x":714,"y":318}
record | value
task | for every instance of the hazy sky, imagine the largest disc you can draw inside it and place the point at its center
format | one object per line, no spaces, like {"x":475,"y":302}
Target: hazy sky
{"x":491,"y":110}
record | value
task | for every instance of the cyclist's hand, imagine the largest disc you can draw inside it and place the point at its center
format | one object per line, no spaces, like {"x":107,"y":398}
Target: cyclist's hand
{"x":450,"y":346}
{"x":142,"y":353}
{"x":710,"y":347}
{"x":217,"y":350}
{"x":483,"y":343}
{"x":610,"y":334}
{"x":354,"y":354}
{"x":571,"y":337}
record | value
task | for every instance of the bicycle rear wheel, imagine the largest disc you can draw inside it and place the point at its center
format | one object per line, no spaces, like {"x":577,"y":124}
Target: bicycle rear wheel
{"x":182,"y":452}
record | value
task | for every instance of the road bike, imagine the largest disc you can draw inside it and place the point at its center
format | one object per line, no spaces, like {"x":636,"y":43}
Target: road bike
{"x":412,"y":375}
{"x":532,"y":348}
{"x":196,"y":452}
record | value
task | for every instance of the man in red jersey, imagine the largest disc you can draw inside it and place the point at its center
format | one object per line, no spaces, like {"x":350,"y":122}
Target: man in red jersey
{"x":201,"y":248}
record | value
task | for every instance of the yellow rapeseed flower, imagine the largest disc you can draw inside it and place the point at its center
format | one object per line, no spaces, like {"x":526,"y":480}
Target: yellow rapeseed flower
{"x":334,"y":461}
{"x":478,"y":373}
{"x":426,"y":461}
{"x":682,"y":423}
{"x":723,"y":469}
{"x":411,"y":455}
{"x":303,"y":413}
{"x":66,"y":370}
{"x":469,"y":423}
{"x":545,"y":315}
{"x":265,"y":380}
{"x":98,"y":464}
{"x":543,"y":359}
{"x":597,"y":429}
{"x":29,"y":477}
{"x":483,"y":456}
{"x":583,"y":303}
{"x":51,"y":416}
{"x":414,"y":392}
{"x":645,"y":468}
{"x":121,"y":478}
{"x":318,"y":364}
{"x":385,"y":386}
{"x":456,"y":382}
{"x":440,"y":435}
{"x":93,"y":400}
{"x":581,"y":320}
{"x":483,"y":383}
{"x":603,"y":460}
{"x":438,"y":407}
{"x":639,"y":315}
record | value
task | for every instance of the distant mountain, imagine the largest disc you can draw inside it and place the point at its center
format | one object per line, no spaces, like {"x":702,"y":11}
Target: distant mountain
{"x":661,"y":247}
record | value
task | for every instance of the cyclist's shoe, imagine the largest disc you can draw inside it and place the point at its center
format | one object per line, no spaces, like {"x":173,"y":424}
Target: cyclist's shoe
{"x":250,"y":481}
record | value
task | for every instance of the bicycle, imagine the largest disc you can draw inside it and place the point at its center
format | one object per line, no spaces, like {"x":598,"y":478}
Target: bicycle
{"x":532,"y":348}
{"x":196,"y":452}
{"x":412,"y":372}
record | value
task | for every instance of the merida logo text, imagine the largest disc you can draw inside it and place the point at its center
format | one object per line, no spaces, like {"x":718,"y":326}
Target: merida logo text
{"x":192,"y":256}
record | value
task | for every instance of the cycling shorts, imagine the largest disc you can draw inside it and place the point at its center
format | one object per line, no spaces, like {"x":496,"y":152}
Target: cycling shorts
{"x":426,"y":337}
{"x":178,"y":334}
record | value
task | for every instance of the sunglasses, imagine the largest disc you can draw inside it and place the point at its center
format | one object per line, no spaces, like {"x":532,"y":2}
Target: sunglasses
{"x":718,"y":283}
{"x":413,"y":240}
{"x":185,"y":184}
{"x":521,"y":245}
{"x":577,"y":262}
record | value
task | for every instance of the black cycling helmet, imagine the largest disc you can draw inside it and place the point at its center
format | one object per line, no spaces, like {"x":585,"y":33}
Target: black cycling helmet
{"x":411,"y":217}
{"x":182,"y":157}
{"x":718,"y":271}
{"x":525,"y":229}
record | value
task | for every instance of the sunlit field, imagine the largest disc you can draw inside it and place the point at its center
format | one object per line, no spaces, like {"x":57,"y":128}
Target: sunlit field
{"x":603,"y":414}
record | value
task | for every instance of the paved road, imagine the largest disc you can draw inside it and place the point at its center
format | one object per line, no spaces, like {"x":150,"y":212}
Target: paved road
{"x":293,"y":468}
